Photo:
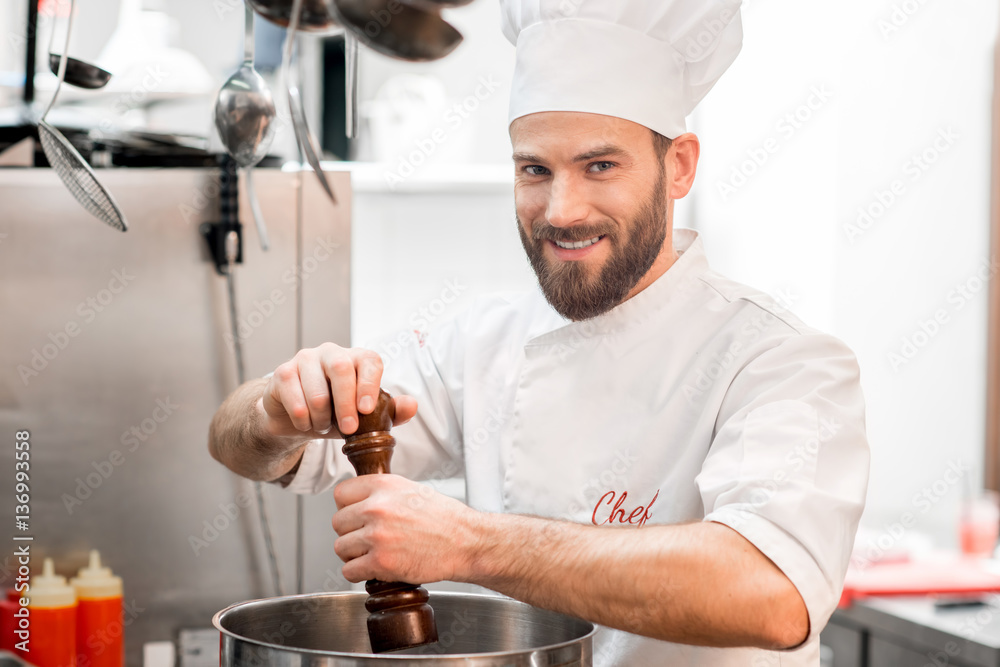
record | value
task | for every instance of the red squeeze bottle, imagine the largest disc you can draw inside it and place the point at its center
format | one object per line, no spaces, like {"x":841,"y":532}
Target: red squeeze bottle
{"x":52,"y":605}
{"x":8,"y":622}
{"x":100,"y":635}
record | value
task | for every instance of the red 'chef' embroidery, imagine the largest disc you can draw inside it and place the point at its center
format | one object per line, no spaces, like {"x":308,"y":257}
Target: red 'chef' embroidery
{"x":421,"y":337}
{"x":637,"y":517}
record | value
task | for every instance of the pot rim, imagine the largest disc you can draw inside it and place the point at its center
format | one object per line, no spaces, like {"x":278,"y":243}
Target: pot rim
{"x":217,"y":622}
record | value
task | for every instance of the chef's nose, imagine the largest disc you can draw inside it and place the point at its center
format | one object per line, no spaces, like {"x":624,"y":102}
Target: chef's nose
{"x":566,"y":204}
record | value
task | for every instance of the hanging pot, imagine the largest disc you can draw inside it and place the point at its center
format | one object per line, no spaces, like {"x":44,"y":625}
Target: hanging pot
{"x":317,"y":15}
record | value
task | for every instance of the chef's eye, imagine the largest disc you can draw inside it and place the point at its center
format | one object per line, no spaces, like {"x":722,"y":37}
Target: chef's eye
{"x":535,"y":170}
{"x":601,"y":166}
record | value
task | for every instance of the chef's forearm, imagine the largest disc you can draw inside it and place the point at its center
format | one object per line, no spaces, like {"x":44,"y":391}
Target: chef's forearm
{"x":237,"y":439}
{"x":698,"y":583}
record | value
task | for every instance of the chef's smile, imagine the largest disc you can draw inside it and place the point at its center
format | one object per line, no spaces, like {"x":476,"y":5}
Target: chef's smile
{"x":575,"y":250}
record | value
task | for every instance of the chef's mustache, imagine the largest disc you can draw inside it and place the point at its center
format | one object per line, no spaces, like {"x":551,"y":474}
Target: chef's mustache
{"x":543,"y":231}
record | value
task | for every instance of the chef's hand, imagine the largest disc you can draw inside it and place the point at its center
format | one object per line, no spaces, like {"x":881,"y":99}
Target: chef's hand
{"x":306,"y":392}
{"x":394,"y":529}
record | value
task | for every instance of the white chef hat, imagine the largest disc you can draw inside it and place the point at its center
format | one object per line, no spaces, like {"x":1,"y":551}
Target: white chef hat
{"x":647,"y":61}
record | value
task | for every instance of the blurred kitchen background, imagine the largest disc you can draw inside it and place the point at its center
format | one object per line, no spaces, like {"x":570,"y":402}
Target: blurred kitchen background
{"x":848,"y":168}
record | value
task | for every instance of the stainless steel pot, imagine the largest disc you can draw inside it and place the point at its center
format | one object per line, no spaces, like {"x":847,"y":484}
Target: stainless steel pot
{"x":329,"y":630}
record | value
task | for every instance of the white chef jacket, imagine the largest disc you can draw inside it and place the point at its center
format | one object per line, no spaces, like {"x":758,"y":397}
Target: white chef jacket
{"x":697,"y":399}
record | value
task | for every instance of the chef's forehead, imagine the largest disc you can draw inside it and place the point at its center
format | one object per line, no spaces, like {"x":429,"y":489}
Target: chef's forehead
{"x":577,"y":132}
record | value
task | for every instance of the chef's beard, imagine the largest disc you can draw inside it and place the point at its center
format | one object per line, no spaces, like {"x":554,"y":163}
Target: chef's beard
{"x":567,"y":285}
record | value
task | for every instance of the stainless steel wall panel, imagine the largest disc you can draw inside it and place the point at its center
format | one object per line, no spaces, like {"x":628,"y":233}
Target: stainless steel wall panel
{"x":152,"y":345}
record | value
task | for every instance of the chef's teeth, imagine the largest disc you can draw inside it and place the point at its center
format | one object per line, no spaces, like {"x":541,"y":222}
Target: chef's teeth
{"x":578,"y":244}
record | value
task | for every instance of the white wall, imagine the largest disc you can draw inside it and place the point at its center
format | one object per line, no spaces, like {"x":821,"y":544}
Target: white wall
{"x":464,"y":95}
{"x":897,"y":83}
{"x":425,"y":254}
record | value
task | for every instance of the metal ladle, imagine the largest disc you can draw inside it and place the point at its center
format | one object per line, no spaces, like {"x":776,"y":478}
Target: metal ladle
{"x":412,"y":32}
{"x":79,"y":73}
{"x":244,"y":117}
{"x":299,"y":124}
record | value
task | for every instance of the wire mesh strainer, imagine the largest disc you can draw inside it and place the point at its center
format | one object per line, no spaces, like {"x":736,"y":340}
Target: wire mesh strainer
{"x":79,"y":178}
{"x":70,"y":166}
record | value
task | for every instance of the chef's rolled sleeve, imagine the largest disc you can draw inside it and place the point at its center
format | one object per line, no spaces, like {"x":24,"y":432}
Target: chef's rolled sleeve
{"x":789,"y":556}
{"x":788,"y":467}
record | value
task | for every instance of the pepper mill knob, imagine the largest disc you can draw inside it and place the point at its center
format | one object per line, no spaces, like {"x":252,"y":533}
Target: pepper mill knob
{"x":399,"y":616}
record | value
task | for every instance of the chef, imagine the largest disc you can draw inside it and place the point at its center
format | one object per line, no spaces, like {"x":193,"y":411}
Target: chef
{"x":646,"y":444}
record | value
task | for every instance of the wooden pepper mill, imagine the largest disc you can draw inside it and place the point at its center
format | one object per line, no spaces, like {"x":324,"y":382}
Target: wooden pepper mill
{"x":399,"y":616}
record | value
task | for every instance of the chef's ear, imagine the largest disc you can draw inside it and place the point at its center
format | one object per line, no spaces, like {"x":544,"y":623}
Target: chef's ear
{"x":682,"y":163}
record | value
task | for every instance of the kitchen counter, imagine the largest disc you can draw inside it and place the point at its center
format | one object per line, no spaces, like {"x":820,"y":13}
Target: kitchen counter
{"x":905,"y":631}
